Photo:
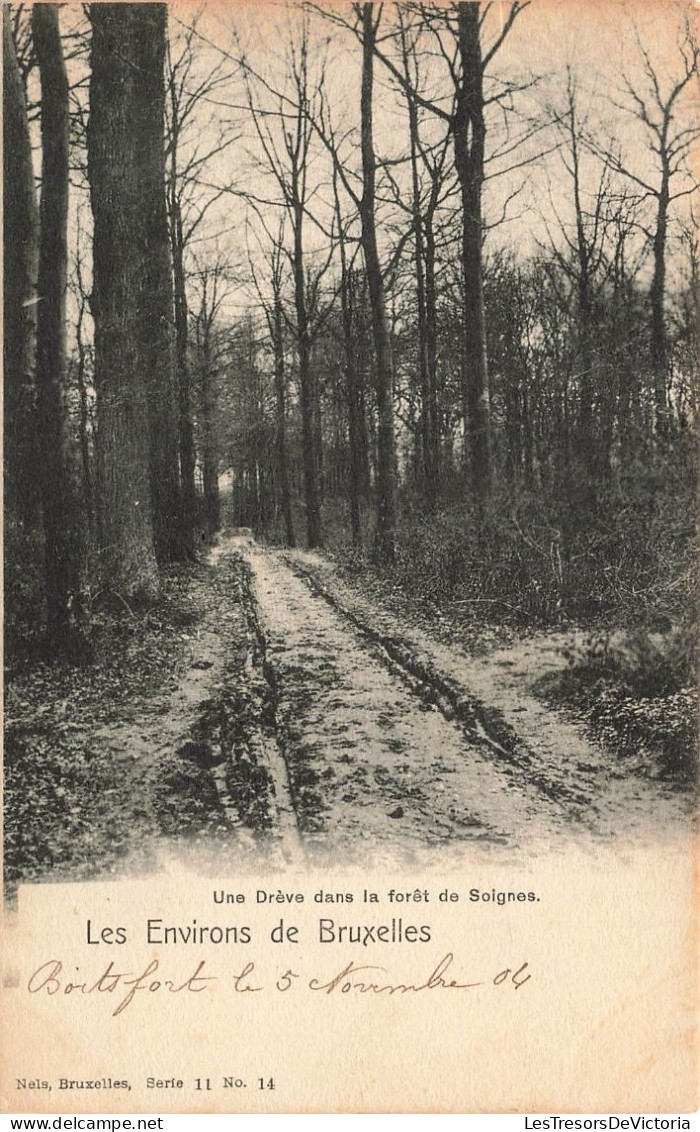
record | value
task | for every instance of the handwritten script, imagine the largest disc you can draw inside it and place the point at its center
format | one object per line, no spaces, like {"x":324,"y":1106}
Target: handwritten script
{"x":352,"y":979}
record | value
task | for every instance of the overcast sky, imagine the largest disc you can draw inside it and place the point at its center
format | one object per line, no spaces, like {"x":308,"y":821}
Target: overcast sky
{"x":598,"y":39}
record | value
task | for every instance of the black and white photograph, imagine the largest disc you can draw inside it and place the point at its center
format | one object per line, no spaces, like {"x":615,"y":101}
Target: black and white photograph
{"x":350,"y":464}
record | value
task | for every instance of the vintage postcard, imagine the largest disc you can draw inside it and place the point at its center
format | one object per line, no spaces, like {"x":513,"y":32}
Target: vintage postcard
{"x":350,"y":423}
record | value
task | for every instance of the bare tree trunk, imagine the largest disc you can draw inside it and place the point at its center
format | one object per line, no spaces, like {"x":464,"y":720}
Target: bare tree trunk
{"x":119,"y":134}
{"x":355,"y":422}
{"x":657,"y":295}
{"x":20,"y":250}
{"x":60,"y":557}
{"x":352,"y":385}
{"x":513,"y":424}
{"x":672,"y":141}
{"x":357,"y":296}
{"x":185,"y":425}
{"x":318,"y":427}
{"x":84,"y":421}
{"x":156,"y":329}
{"x":306,"y":381}
{"x":209,"y":402}
{"x":585,"y":324}
{"x":385,"y":486}
{"x":585,"y":248}
{"x":288,"y":159}
{"x":210,"y":448}
{"x":424,"y":246}
{"x":469,"y":135}
{"x":281,"y":418}
{"x":528,"y":456}
{"x":433,"y":437}
{"x":428,"y":471}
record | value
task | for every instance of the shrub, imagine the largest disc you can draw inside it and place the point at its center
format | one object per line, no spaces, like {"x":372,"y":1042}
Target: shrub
{"x":638,"y":695}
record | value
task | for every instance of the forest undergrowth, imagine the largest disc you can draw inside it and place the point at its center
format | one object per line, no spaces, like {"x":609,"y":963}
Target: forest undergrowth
{"x":74,"y":800}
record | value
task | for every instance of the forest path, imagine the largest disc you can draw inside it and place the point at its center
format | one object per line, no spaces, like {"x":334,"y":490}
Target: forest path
{"x":268,"y":713}
{"x":375,"y":770}
{"x":393,"y":739}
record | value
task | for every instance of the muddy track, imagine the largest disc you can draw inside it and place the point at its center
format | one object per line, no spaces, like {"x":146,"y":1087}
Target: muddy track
{"x":484,"y":726}
{"x":266,"y":738}
{"x":493,"y":694}
{"x":230,"y":757}
{"x":287,"y":717}
{"x":333,"y":731}
{"x":382,"y":751}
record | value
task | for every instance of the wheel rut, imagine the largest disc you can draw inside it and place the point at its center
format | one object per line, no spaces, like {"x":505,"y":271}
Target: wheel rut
{"x":229,"y":759}
{"x":378,"y":751}
{"x":330,"y":736}
{"x":483,"y":725}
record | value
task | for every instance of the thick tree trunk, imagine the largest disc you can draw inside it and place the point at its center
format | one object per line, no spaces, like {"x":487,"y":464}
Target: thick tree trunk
{"x":150,"y":27}
{"x":386,"y":464}
{"x":469,"y":136}
{"x":60,"y":558}
{"x":20,"y":250}
{"x":130,"y":297}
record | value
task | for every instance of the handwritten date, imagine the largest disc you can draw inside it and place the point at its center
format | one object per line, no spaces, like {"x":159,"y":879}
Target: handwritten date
{"x":370,"y":979}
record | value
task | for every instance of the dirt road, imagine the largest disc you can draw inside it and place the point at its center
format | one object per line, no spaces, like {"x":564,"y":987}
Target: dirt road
{"x":394,"y":743}
{"x":370,"y":761}
{"x":274,"y":715}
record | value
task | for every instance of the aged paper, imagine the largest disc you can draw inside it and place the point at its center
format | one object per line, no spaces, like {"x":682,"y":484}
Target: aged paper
{"x":584,"y":1001}
{"x":346,"y":967}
